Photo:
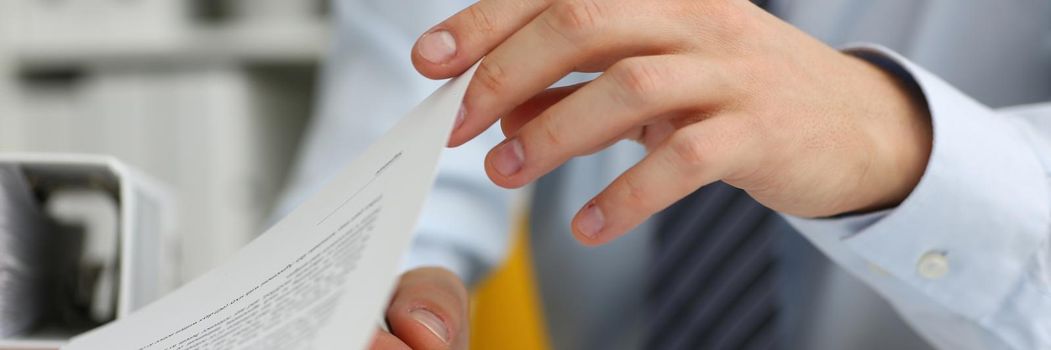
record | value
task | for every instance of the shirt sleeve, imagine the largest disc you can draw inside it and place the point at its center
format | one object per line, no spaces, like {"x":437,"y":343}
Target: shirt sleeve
{"x":964,"y":259}
{"x":465,"y":225}
{"x":367,"y":83}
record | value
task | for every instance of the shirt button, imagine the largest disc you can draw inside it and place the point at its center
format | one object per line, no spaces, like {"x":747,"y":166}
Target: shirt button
{"x":933,"y":265}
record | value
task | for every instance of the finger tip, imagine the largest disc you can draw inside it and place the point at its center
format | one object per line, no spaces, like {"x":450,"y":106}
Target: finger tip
{"x":386,"y":341}
{"x":584,"y":241}
{"x":466,"y":131}
{"x":503,"y":183}
{"x":582,"y":237}
{"x":419,"y":335}
{"x":427,"y":68}
{"x":591,"y":222}
{"x":422,"y":324}
{"x":456,"y":141}
{"x":507,"y":130}
{"x":498,"y":179}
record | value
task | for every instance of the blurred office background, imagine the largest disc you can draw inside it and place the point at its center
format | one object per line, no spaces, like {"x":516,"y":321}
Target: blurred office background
{"x":208,"y":96}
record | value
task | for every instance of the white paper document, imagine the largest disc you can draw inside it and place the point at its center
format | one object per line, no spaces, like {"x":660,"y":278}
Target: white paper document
{"x":320,"y":278}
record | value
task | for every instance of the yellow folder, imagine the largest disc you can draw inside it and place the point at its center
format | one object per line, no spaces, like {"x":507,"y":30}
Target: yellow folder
{"x":506,"y":310}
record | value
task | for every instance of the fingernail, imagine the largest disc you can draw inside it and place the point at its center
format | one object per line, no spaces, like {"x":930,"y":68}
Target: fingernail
{"x":432,"y":322}
{"x":591,"y":220}
{"x":508,"y":158}
{"x":460,"y":117}
{"x":438,"y":46}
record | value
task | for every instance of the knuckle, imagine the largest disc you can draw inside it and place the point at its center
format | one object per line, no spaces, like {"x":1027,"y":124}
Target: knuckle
{"x":481,"y":19}
{"x":639,"y":82}
{"x":550,"y":133}
{"x":689,"y":149}
{"x":575,"y":18}
{"x":634,"y":193}
{"x":730,"y":20}
{"x":491,"y":77}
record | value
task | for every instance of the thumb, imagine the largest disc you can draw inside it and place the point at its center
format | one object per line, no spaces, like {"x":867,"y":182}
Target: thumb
{"x":429,"y":310}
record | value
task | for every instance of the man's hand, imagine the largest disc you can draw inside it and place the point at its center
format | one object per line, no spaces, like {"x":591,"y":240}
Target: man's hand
{"x":428,"y":311}
{"x":715,"y":89}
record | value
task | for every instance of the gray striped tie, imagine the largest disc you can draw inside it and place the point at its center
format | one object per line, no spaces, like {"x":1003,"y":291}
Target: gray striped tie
{"x":714,"y":272}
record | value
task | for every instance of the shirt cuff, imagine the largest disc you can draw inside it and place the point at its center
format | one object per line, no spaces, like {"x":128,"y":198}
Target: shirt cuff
{"x":437,"y":255}
{"x":980,"y":210}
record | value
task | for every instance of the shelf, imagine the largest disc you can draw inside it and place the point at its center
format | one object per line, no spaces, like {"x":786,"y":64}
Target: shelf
{"x":244,"y":43}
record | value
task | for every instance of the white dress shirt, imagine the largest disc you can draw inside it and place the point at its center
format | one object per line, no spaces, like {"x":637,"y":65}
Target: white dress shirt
{"x":964,"y":259}
{"x":367,"y":84}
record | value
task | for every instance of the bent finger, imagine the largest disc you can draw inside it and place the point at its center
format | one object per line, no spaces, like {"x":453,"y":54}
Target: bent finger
{"x":692,"y":157}
{"x":568,"y":35}
{"x":531,"y":109}
{"x":631,"y":94}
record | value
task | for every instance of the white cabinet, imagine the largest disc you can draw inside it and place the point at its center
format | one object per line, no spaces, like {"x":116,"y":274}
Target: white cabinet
{"x":213,"y":109}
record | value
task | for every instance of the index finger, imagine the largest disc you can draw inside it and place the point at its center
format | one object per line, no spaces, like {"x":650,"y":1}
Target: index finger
{"x":452,"y":46}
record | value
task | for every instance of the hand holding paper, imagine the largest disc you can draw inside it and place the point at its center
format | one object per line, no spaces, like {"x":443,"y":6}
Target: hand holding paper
{"x":428,"y":311}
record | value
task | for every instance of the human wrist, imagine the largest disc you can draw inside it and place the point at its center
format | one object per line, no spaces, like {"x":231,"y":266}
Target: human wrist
{"x":900,"y":137}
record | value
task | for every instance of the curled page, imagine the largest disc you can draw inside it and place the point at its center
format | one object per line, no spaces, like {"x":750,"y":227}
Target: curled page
{"x":319,"y":278}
